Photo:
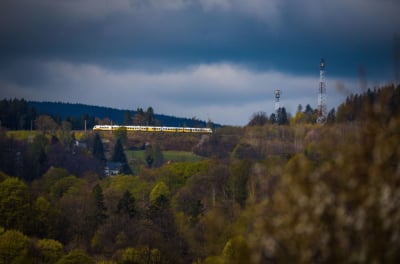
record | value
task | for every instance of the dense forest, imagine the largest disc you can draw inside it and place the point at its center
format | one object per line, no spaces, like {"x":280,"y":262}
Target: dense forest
{"x":81,"y":112}
{"x":279,"y":190}
{"x":19,"y":114}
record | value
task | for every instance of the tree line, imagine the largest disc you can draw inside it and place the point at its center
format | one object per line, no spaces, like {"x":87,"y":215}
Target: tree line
{"x":141,"y":118}
{"x":107,"y":115}
{"x":383,"y":101}
{"x":17,"y":114}
{"x":356,"y":107}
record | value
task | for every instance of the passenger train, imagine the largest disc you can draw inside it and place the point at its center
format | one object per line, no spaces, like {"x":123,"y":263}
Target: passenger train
{"x":155,"y":129}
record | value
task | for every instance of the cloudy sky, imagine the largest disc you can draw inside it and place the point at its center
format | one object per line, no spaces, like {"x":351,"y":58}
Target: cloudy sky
{"x":209,"y":59}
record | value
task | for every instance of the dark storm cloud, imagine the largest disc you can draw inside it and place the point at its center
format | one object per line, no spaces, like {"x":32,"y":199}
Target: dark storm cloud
{"x":269,"y":34}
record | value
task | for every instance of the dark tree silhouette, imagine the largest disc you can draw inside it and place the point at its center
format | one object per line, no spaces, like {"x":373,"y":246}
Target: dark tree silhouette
{"x":119,"y":156}
{"x":16,"y":114}
{"x":149,"y":116}
{"x":158,"y":156}
{"x":98,"y":149}
{"x":258,"y":119}
{"x":127,"y":118}
{"x":282,"y":116}
{"x":127,"y":205}
{"x":99,"y":208}
{"x":272,"y":118}
{"x":331,"y":116}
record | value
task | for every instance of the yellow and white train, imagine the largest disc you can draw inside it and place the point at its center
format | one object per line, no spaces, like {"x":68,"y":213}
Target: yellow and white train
{"x":155,"y":129}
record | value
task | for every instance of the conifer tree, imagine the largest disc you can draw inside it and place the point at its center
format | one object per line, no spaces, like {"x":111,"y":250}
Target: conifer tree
{"x":158,"y":156}
{"x":127,"y":118}
{"x":331,"y":116}
{"x":149,"y":116}
{"x":149,"y":156}
{"x":99,"y":208}
{"x":122,"y":135}
{"x":119,"y":156}
{"x":282,"y":116}
{"x":127,"y":205}
{"x":98,"y":149}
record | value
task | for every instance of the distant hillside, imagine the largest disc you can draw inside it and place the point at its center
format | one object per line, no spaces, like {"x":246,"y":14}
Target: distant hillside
{"x":115,"y":115}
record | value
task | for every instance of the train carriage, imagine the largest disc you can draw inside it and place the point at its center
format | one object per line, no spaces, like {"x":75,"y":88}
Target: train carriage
{"x":154,"y":129}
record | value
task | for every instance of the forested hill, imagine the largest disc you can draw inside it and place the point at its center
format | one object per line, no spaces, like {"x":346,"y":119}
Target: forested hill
{"x":383,"y":102}
{"x":65,"y":110}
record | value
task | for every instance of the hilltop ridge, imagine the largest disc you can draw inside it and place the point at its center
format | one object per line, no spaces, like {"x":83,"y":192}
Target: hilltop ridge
{"x":64,"y":110}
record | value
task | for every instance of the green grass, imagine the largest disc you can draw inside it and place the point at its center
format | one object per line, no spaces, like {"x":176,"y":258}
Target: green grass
{"x":21,"y":134}
{"x":25,"y":134}
{"x":177,"y":156}
{"x":181,"y":156}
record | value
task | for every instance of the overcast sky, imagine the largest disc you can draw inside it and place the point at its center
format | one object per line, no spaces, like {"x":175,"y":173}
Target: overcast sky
{"x":209,"y":59}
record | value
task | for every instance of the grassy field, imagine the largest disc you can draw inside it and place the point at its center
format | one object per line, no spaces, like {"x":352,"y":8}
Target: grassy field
{"x":25,"y":134}
{"x":21,"y":134}
{"x":177,"y":156}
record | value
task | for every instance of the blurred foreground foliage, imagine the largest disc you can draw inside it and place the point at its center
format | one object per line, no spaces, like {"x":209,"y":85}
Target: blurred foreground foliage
{"x":338,"y":201}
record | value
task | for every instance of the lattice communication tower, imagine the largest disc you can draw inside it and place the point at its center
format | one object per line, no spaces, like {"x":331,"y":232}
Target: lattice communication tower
{"x":277,"y":104}
{"x":277,"y":96}
{"x":322,"y":113}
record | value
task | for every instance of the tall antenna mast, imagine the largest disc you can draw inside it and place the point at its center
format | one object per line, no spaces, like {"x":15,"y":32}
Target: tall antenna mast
{"x":277,"y":105}
{"x":321,"y":94}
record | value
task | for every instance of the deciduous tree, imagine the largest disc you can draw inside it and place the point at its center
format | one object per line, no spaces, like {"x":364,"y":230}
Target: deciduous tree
{"x":13,"y":247}
{"x":258,"y":119}
{"x":14,"y":204}
{"x":76,"y":256}
{"x":45,"y":124}
{"x":160,"y":189}
{"x":139,"y":119}
{"x":50,"y":251}
{"x":44,"y":219}
{"x":143,"y":255}
{"x":238,"y":180}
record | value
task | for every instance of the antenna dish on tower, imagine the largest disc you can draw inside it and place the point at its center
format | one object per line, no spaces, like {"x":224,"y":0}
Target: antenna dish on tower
{"x":322,"y":64}
{"x":277,"y":94}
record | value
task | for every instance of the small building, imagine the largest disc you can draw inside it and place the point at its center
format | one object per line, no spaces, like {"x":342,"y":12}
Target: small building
{"x":81,"y":143}
{"x":112,"y":168}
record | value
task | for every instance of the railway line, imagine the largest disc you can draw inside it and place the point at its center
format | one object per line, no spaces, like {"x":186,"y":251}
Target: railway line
{"x":160,"y":129}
